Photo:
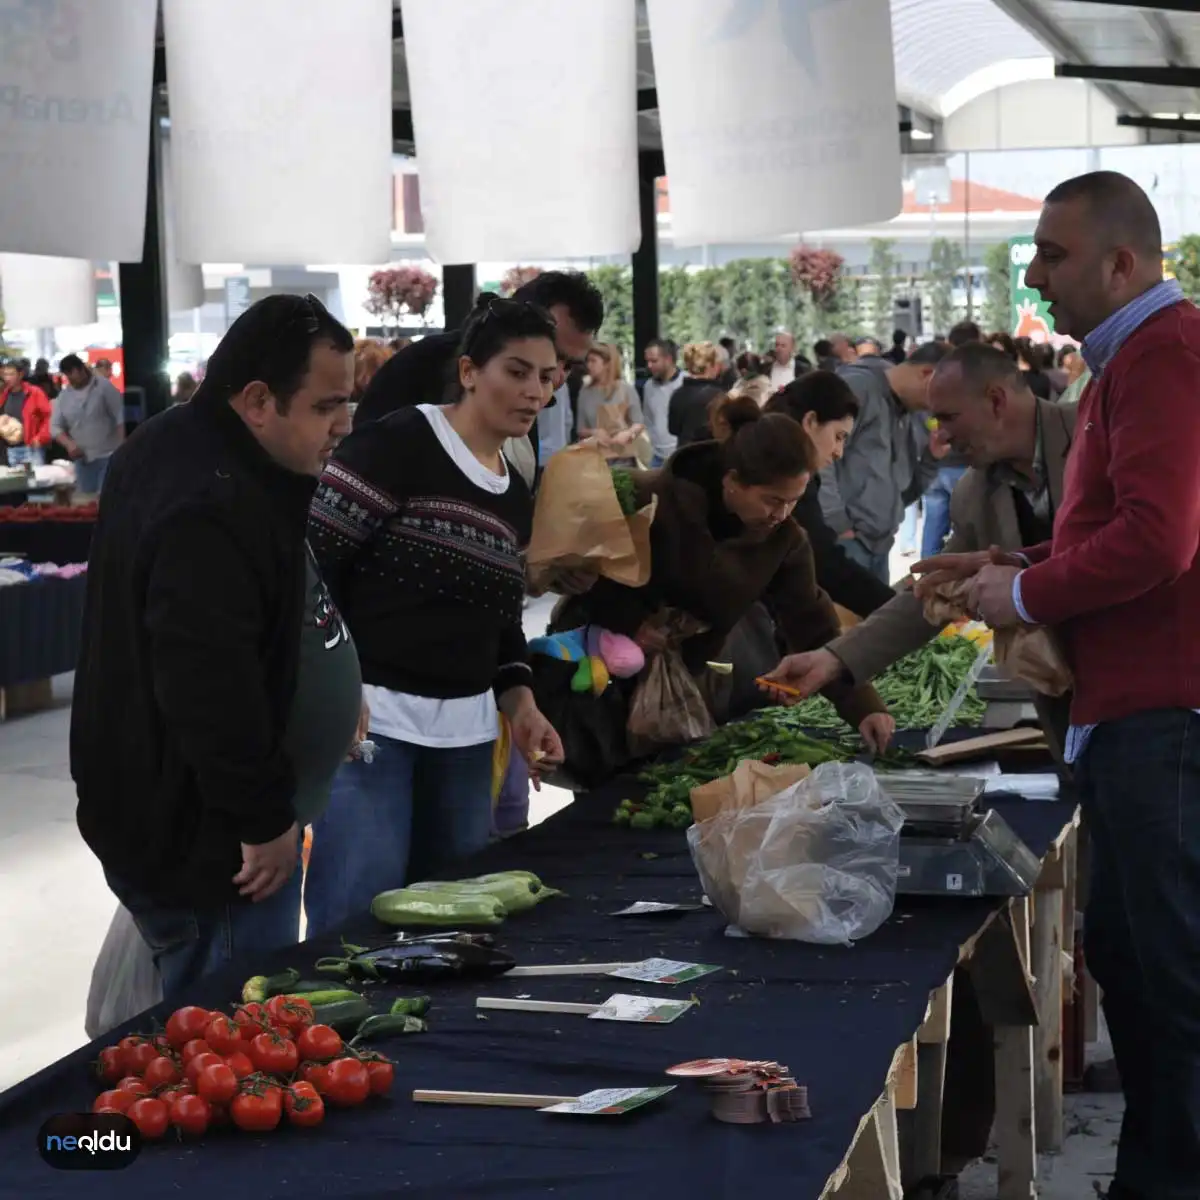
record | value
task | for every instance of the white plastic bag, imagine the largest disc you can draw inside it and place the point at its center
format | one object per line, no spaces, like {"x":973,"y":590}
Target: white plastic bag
{"x":125,"y":980}
{"x":818,"y":862}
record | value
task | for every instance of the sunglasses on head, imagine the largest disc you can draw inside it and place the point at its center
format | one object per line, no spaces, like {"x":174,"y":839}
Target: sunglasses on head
{"x":500,"y":307}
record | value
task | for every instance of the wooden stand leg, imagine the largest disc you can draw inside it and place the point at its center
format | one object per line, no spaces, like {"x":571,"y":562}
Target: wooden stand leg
{"x":1016,"y":1140}
{"x":921,"y":1129}
{"x":19,"y":698}
{"x":1047,"y":945}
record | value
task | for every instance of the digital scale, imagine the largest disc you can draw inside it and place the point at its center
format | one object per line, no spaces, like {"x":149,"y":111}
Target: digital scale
{"x":1009,"y":701}
{"x":950,"y":845}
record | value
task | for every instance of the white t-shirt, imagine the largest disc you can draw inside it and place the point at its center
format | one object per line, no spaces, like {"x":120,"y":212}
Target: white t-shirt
{"x":782,"y":374}
{"x":426,"y":720}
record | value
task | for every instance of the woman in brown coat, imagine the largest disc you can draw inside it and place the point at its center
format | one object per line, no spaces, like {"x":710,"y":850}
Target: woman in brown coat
{"x":722,"y":541}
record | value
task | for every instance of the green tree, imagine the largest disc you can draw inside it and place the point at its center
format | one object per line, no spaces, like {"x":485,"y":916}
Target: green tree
{"x":677,"y":305}
{"x":615,"y":284}
{"x":844,"y":313}
{"x":997,"y":300}
{"x":709,"y":285}
{"x":945,"y":262}
{"x":885,"y":262}
{"x":1187,"y":265}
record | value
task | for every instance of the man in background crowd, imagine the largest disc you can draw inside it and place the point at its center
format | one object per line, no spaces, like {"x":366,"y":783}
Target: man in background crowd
{"x":665,"y":380}
{"x":25,"y":410}
{"x":88,"y":421}
{"x":783,"y":360}
{"x":867,"y":347}
{"x":104,"y":369}
{"x":41,"y":377}
{"x":964,"y":333}
{"x":729,"y":376}
{"x":863,"y":495}
{"x":898,"y":353}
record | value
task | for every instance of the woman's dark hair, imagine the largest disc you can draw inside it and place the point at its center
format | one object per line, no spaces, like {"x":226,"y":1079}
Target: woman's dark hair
{"x":748,"y":363}
{"x":763,"y":448}
{"x":493,"y":324}
{"x":1004,"y":341}
{"x":573,"y":290}
{"x":1065,"y":352}
{"x":826,"y":395}
{"x":272,"y":343}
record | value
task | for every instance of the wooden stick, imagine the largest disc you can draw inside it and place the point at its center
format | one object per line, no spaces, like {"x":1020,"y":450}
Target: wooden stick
{"x":568,"y":969}
{"x":546,"y":1006}
{"x":491,"y":1099}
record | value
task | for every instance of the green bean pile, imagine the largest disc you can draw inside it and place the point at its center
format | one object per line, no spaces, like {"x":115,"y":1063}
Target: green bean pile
{"x":916,"y":689}
{"x":626,"y":490}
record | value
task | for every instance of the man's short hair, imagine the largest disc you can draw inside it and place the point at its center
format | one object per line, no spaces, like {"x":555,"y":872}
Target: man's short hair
{"x":573,"y":290}
{"x":823,"y":348}
{"x":272,"y":343}
{"x":927,"y":355}
{"x":1118,"y":207}
{"x":665,"y":347}
{"x":981,"y":364}
{"x":70,"y":362}
{"x":963,"y":333}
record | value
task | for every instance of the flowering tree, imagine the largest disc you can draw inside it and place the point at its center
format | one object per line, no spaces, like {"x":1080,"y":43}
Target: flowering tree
{"x":398,"y":291}
{"x":518,"y":277}
{"x":816,"y":272}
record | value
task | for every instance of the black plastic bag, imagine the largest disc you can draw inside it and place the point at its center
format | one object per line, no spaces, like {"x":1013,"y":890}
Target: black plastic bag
{"x":592,"y":728}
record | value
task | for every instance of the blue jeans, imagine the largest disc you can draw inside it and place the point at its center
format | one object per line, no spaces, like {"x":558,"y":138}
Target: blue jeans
{"x":1139,"y":786}
{"x":937,"y":510}
{"x":401,"y":817}
{"x":907,"y":535}
{"x":89,"y":476}
{"x":871,"y":561}
{"x":189,"y":943}
{"x":18,"y":456}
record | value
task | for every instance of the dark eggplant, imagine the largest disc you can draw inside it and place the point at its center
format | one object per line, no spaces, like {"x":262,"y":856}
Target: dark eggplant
{"x":419,"y":962}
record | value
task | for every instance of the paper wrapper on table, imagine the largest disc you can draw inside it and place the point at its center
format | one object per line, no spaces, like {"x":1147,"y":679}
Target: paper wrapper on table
{"x":817,"y":862}
{"x":1028,"y":652}
{"x":751,"y":783}
{"x":668,"y":708}
{"x":578,"y":522}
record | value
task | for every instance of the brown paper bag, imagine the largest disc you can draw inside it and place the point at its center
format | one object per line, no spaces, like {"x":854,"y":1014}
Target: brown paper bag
{"x":1031,"y":653}
{"x":578,"y":522}
{"x":613,"y":417}
{"x":751,"y":783}
{"x":668,"y":708}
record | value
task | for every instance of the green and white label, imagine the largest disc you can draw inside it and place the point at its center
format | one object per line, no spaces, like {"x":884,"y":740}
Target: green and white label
{"x":610,"y":1102}
{"x":642,"y":1010}
{"x":664,"y":970}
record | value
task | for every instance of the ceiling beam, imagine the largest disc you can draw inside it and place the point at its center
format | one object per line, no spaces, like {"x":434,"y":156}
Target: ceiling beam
{"x":1166,"y":124}
{"x":1065,"y":47}
{"x":1188,"y":77}
{"x":1183,"y":6}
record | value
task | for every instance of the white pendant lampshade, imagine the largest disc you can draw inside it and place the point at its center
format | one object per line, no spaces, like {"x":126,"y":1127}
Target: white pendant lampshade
{"x":281,"y":124}
{"x":75,"y":103}
{"x":40,"y":292}
{"x":525,"y":118}
{"x":778,"y":116}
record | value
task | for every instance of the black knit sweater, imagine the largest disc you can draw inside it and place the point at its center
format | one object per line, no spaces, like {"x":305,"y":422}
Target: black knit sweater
{"x":424,"y":565}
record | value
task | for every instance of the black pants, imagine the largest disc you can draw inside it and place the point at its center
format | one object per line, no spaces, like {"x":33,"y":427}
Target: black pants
{"x":1139,"y":784}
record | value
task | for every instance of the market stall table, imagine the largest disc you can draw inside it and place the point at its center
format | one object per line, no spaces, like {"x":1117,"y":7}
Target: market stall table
{"x":40,"y":627}
{"x":840,"y":1018}
{"x":47,"y":533}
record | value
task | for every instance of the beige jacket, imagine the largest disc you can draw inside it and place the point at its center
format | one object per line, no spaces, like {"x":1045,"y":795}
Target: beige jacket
{"x":982,"y":514}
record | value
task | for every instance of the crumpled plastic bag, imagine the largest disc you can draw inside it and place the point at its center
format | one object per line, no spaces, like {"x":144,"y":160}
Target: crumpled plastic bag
{"x":1028,"y":652}
{"x":125,"y":980}
{"x":818,"y":862}
{"x":668,"y":707}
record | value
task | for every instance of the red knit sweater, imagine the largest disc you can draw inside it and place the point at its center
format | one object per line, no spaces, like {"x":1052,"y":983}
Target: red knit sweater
{"x":1120,"y":580}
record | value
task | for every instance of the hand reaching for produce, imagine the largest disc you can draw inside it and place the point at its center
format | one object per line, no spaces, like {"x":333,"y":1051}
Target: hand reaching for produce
{"x":991,"y":596}
{"x":267,"y":867}
{"x":533,"y":735}
{"x":798,"y":676}
{"x":948,"y":568}
{"x":361,"y":733}
{"x":877,"y":731}
{"x":568,"y":582}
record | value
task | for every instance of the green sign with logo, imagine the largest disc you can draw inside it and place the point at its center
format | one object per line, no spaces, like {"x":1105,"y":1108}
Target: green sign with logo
{"x":1030,"y":314}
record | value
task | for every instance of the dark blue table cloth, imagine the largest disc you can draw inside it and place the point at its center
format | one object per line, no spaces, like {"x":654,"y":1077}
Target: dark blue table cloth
{"x":40,"y":626}
{"x":834,"y":1015}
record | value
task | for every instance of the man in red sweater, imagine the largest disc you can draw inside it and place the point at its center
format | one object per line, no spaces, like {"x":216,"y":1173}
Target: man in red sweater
{"x":1120,"y":583}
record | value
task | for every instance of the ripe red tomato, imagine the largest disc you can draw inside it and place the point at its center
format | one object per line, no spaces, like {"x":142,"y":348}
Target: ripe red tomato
{"x":252,"y":1020}
{"x":189,"y":1114}
{"x":381,"y":1075}
{"x":314,"y":1073}
{"x":257,"y":1113}
{"x":186,"y":1024}
{"x":139,"y":1057}
{"x":217,"y":1083}
{"x":133,"y":1085}
{"x":274,"y":1055}
{"x":223,"y":1035}
{"x":125,"y":1045}
{"x":319,"y":1043}
{"x":290,"y":1012}
{"x":347,"y":1082}
{"x":194,"y":1047}
{"x":115,"y":1100}
{"x":150,"y":1116}
{"x":192,"y":1071}
{"x":303,"y":1105}
{"x":162,"y":1071}
{"x":240,"y":1063}
{"x":110,"y":1065}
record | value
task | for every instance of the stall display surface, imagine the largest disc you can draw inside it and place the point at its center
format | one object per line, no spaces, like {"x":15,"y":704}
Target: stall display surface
{"x":47,"y":533}
{"x":40,"y":626}
{"x":839,"y":1018}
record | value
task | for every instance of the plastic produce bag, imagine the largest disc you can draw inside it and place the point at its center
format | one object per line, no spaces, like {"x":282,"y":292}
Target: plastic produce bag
{"x":668,"y":708}
{"x":1028,"y":652}
{"x":125,"y":980}
{"x":816,"y":863}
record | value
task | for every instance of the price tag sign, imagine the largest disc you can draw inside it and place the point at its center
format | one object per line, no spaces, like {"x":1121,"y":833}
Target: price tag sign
{"x":664,"y":970}
{"x":610,"y":1102}
{"x":641,"y":1010}
{"x":651,"y":908}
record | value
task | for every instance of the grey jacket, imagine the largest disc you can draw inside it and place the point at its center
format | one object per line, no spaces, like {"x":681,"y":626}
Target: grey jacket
{"x":885,"y":467}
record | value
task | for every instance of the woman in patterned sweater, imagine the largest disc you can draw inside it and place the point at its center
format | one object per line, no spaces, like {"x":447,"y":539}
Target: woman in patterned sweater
{"x":418,"y":526}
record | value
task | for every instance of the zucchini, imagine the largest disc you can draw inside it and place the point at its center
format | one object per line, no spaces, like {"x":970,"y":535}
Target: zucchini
{"x":385,"y":1025}
{"x":344,"y":1015}
{"x":260,"y":988}
{"x":407,"y":906}
{"x":327,"y":995}
{"x":518,"y":891}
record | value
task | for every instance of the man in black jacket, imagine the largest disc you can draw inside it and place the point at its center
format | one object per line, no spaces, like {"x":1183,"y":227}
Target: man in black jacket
{"x":191,"y":681}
